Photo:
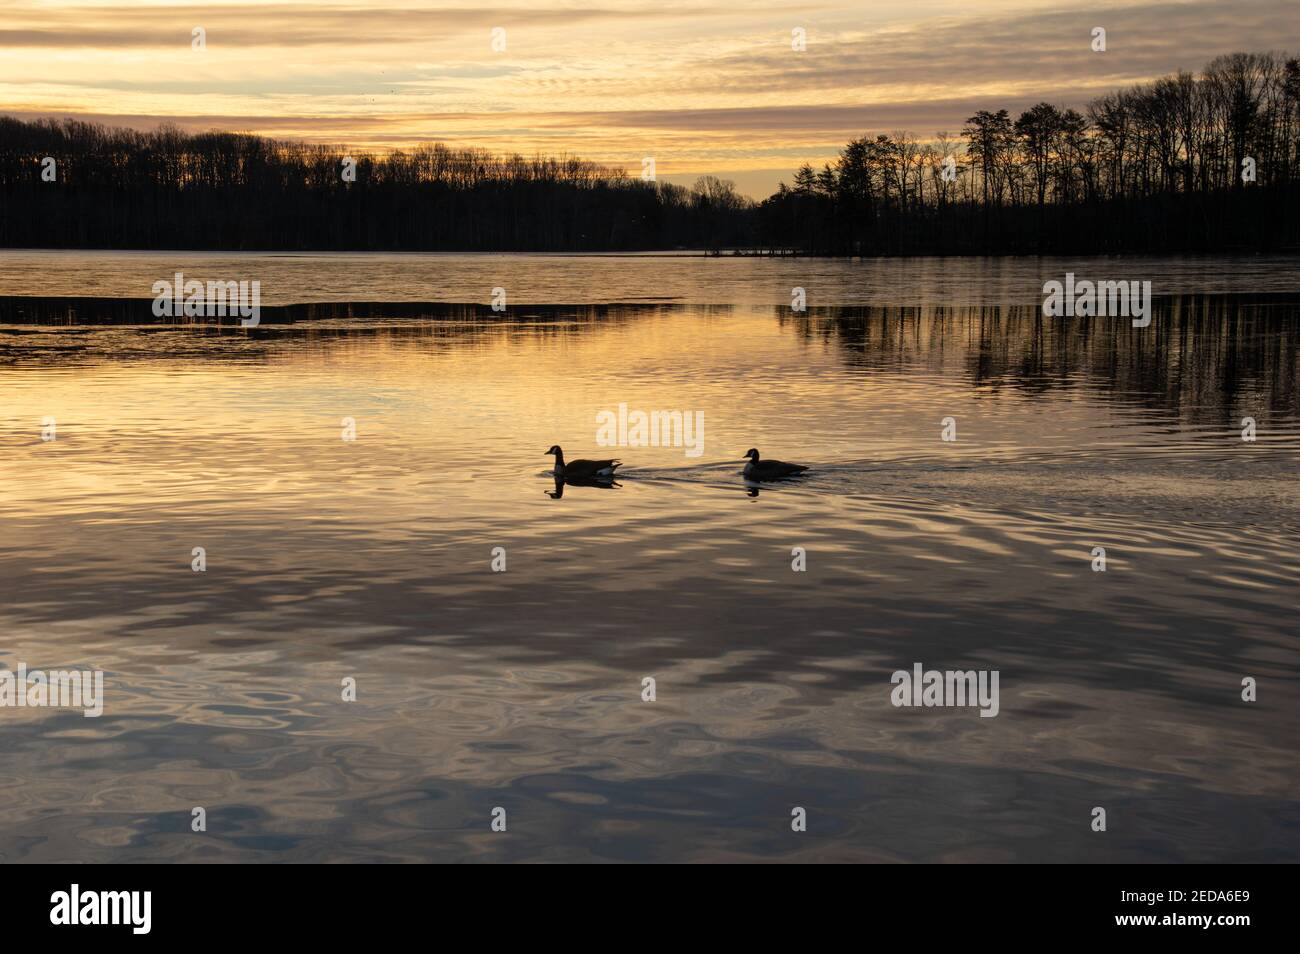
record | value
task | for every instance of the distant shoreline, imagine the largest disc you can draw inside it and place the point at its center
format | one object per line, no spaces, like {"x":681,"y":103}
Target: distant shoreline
{"x":52,"y":311}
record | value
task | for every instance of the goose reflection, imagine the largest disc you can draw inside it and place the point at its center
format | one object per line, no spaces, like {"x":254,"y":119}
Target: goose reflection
{"x":607,"y":483}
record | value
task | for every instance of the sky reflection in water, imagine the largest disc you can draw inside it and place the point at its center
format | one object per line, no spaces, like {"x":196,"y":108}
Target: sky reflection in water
{"x":370,"y":559}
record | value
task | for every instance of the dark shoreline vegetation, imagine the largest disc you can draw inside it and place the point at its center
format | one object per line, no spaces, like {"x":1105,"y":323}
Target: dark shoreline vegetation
{"x":88,"y":311}
{"x":1158,"y":167}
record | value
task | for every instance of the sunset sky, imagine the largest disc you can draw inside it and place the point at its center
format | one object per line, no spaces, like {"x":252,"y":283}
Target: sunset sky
{"x":703,"y":86}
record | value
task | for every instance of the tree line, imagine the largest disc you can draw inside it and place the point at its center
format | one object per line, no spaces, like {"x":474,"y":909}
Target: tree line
{"x":121,"y":188}
{"x":1185,"y":163}
{"x":1189,"y":162}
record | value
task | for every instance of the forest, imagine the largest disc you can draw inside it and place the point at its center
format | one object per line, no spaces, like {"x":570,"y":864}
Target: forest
{"x":1187,"y":163}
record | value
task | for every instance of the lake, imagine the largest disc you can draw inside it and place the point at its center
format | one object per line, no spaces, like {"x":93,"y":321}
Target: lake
{"x":358,"y":482}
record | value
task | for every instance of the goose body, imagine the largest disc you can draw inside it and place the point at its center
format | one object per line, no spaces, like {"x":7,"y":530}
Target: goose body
{"x":759,"y":469}
{"x":582,"y":469}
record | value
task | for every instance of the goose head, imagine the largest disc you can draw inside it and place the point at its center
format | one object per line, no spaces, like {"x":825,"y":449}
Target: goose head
{"x":751,"y":454}
{"x":555,"y":449}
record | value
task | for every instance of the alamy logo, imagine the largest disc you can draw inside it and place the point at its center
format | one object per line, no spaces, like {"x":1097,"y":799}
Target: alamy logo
{"x":951,"y":688}
{"x":102,"y":907}
{"x":1122,"y":299}
{"x":57,"y":689}
{"x":191,"y":299}
{"x":656,"y":429}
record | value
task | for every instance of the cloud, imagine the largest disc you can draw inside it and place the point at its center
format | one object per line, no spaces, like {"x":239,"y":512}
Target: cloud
{"x":291,"y":25}
{"x":703,"y":86}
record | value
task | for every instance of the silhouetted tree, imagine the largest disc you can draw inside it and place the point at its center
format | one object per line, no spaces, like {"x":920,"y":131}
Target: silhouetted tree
{"x":1187,"y":162}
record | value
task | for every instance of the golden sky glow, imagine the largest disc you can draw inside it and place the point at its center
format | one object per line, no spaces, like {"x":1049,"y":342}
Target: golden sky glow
{"x":701,"y":85}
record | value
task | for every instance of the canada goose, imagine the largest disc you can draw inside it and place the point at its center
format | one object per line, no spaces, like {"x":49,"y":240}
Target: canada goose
{"x":582,"y":469}
{"x":758,"y":469}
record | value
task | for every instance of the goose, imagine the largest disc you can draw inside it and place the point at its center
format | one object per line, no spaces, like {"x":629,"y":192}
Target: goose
{"x":758,"y":469}
{"x":582,"y":469}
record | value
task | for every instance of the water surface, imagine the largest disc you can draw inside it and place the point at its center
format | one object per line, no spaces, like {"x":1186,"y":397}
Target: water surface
{"x":371,"y":559}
